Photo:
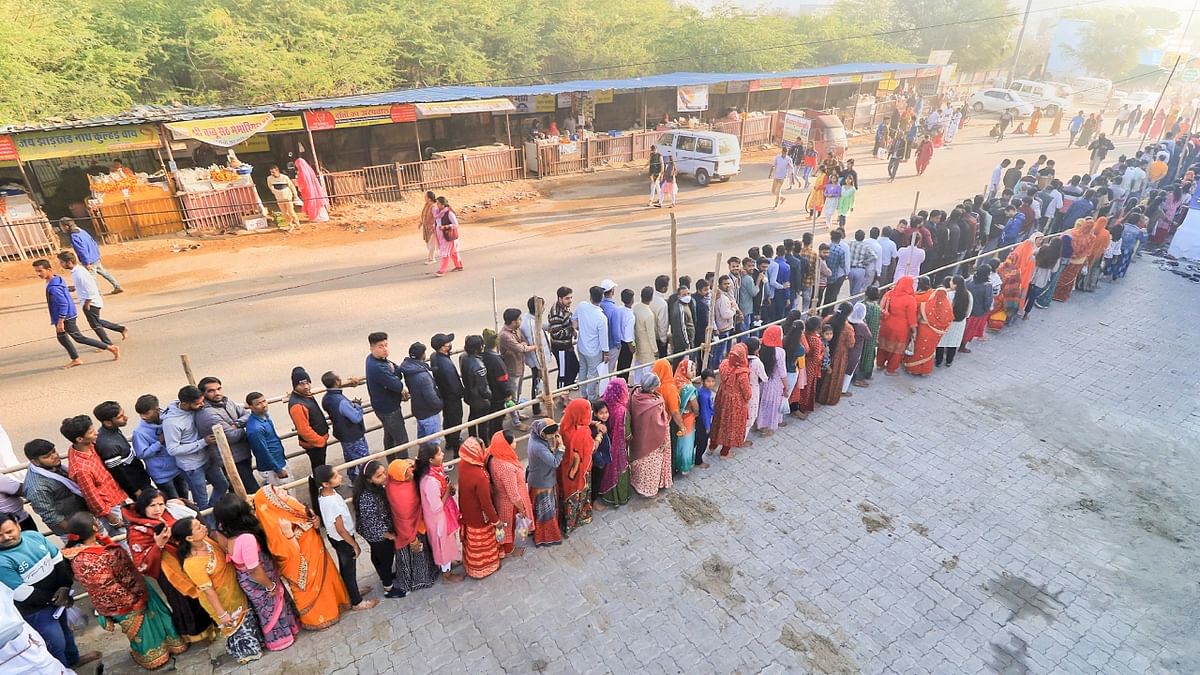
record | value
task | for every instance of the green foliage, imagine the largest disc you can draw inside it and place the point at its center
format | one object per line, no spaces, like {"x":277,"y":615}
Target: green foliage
{"x":977,"y":45}
{"x":1110,"y":42}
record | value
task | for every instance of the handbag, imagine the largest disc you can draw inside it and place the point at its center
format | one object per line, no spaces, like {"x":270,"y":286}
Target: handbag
{"x":602,"y":455}
{"x":911,"y":347}
{"x":449,"y":232}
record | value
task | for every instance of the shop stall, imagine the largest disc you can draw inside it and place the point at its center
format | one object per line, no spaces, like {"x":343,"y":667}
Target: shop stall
{"x":133,"y":205}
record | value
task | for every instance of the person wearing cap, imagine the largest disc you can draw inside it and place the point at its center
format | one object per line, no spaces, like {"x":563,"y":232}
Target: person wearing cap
{"x":609,"y":306}
{"x":424,"y":396}
{"x":346,"y":420}
{"x":593,"y":345}
{"x":449,"y":385}
{"x":385,"y":389}
{"x":311,"y":427}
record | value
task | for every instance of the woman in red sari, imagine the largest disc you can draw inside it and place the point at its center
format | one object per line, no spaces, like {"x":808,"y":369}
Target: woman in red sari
{"x":575,"y":471}
{"x":1082,"y":238}
{"x":481,"y":550}
{"x":804,"y":394}
{"x":934,"y":316}
{"x":730,"y":410}
{"x":830,"y":390}
{"x":897,"y":326}
{"x":509,"y":489}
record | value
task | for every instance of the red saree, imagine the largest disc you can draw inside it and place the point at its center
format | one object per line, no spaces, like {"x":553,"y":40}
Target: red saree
{"x":934,"y":316}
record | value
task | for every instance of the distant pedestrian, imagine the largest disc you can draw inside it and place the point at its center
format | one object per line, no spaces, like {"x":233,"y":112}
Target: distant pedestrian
{"x":1073,"y":128}
{"x":670,"y":181}
{"x":90,"y":299}
{"x":88,"y":252}
{"x":447,"y":232}
{"x":782,"y":169}
{"x":284,"y":190}
{"x":425,"y":224}
{"x":924,"y":155}
{"x":1006,"y":119}
{"x":63,"y":315}
{"x":655,"y":169}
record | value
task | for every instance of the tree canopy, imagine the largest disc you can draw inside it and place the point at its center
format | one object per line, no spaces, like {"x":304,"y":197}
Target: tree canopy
{"x":89,"y":57}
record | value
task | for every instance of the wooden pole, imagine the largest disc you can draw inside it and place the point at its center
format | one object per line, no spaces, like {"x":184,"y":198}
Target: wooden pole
{"x":674,"y":252}
{"x":187,"y":368}
{"x":508,"y":129}
{"x":712,"y":318}
{"x":417,"y":129}
{"x":916,"y":200}
{"x":312,"y":145}
{"x":495,"y":308}
{"x":539,"y":341}
{"x":235,"y":480}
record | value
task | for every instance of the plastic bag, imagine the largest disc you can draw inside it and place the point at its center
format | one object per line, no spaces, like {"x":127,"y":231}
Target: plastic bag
{"x":601,"y":371}
{"x":76,"y":619}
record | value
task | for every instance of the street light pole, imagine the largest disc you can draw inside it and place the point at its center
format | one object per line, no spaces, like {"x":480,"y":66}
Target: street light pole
{"x":1012,"y":70}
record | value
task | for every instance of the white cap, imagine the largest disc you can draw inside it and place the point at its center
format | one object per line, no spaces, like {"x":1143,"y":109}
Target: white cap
{"x":607,"y":285}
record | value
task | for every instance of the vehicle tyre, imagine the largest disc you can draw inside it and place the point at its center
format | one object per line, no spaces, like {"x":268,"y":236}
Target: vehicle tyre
{"x":1051,"y":111}
{"x":977,"y":106}
{"x":702,"y":178}
{"x":725,"y":179}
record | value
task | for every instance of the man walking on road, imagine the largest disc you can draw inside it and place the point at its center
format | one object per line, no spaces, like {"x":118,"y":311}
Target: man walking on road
{"x":89,"y":297}
{"x":88,"y":252}
{"x":656,"y":169}
{"x":1005,"y":120}
{"x":1100,"y":148}
{"x":1074,"y":127}
{"x":782,"y":169}
{"x":63,"y":315}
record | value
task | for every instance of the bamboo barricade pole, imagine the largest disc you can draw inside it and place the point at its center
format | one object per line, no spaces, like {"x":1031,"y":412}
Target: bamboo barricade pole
{"x":235,"y":479}
{"x":539,"y":341}
{"x":674,"y":253}
{"x":187,"y":369}
{"x":712,"y":318}
{"x":495,"y":308}
{"x":916,"y":200}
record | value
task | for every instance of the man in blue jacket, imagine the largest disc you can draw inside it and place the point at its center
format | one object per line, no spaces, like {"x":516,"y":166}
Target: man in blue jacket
{"x":346,"y":420}
{"x":1012,"y":229}
{"x":63,"y":315}
{"x":88,"y":252}
{"x":264,"y":441}
{"x":426,"y":399}
{"x":149,"y":445}
{"x":385,"y":388}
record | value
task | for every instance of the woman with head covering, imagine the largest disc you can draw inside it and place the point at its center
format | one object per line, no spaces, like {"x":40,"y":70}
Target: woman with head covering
{"x":862,"y":334}
{"x":415,"y":568}
{"x":1081,"y":247}
{"x":829,"y":392}
{"x":770,"y":399}
{"x":149,"y":537}
{"x":981,"y":305}
{"x":119,"y":594}
{"x":545,"y":455}
{"x":312,"y":191}
{"x":1102,"y":239}
{"x":650,"y":439}
{"x":603,"y":454}
{"x":294,"y":539}
{"x":615,"y":488}
{"x":897,"y":325}
{"x":758,"y":375}
{"x":510,"y":492}
{"x":934,"y":316}
{"x":480,"y":522}
{"x":866,"y":363}
{"x":732,"y":402}
{"x":1008,"y":301}
{"x":683,"y":443}
{"x":961,"y":302}
{"x":242,"y":536}
{"x":575,"y":471}
{"x":804,"y":397}
{"x":794,"y":348}
{"x":439,"y":509}
{"x":1046,"y":263}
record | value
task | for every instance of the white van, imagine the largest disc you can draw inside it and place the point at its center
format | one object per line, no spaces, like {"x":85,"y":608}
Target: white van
{"x":705,"y":155}
{"x":1049,"y":96}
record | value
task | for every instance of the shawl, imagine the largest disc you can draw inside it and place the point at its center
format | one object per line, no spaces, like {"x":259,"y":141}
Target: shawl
{"x":1102,"y":238}
{"x":316,"y":202}
{"x":1081,"y":238}
{"x":773,"y":336}
{"x":683,"y":376}
{"x":616,"y":397}
{"x":903,"y":287}
{"x":472,"y":452}
{"x":651,"y":423}
{"x":735,"y":365}
{"x":108,"y":574}
{"x":149,"y":558}
{"x":667,"y":387}
{"x":404,"y":500}
{"x":575,"y":429}
{"x":1023,"y":257}
{"x":501,"y":450}
{"x":938,"y":311}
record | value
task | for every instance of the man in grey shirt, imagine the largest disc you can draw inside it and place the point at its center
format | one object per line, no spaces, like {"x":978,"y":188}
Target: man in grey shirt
{"x":199,"y":464}
{"x":220,"y":409}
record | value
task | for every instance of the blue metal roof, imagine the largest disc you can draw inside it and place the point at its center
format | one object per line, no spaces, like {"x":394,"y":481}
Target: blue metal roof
{"x":171,"y":113}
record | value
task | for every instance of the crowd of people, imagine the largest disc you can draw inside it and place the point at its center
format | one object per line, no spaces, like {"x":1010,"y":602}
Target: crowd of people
{"x":653,"y":381}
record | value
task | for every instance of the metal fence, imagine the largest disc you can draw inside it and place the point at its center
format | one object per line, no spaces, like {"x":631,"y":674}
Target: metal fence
{"x":25,"y":238}
{"x":389,"y":182}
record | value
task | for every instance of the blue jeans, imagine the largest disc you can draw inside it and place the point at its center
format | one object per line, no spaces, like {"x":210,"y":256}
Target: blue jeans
{"x":430,"y":425}
{"x":60,"y":641}
{"x":199,"y":479}
{"x":355,"y":450}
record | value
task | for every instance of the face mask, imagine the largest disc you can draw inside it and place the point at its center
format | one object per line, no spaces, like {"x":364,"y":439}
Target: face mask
{"x":687,"y":299}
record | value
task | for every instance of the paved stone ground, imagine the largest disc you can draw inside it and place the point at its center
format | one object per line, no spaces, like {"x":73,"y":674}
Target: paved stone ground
{"x":1030,"y":510}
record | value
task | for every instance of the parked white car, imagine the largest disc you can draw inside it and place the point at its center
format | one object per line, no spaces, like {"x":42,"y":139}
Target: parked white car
{"x":1049,"y":96}
{"x":1146,"y":99}
{"x":704,"y":155}
{"x":1094,"y":90}
{"x":998,"y":100}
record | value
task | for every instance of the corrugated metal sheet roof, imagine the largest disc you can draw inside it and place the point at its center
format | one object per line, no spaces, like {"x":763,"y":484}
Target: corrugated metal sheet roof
{"x":171,"y":113}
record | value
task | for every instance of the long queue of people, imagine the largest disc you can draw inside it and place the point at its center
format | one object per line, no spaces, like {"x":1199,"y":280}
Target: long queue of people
{"x":257,"y":572}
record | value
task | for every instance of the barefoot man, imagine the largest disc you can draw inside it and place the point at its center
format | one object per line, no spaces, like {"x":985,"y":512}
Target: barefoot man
{"x":63,"y":315}
{"x":781,"y":170}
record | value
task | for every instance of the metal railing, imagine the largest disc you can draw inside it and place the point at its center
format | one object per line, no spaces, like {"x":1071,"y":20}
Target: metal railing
{"x":389,"y":182}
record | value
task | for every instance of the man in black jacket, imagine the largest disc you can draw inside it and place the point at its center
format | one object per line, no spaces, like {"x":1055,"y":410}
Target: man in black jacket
{"x":497,"y":379}
{"x":450,"y":385}
{"x":116,"y":452}
{"x":476,"y":390}
{"x":425,"y":399}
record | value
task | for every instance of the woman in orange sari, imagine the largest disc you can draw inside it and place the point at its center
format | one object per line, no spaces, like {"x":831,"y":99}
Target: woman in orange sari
{"x":304,"y":563}
{"x":1100,"y":242}
{"x":899,"y":320}
{"x":1082,"y":239}
{"x":575,"y":470}
{"x":935,"y":313}
{"x":509,"y":489}
{"x":1024,"y":256}
{"x":1034,"y":119}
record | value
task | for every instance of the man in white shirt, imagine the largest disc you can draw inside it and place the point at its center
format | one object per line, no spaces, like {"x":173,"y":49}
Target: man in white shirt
{"x":1134,"y":179}
{"x":624,"y":320}
{"x":89,"y":296}
{"x":873,"y":242}
{"x":909,"y":260}
{"x":887,"y":256}
{"x":592,"y":347}
{"x":662,"y":321}
{"x":781,"y":170}
{"x":997,"y":174}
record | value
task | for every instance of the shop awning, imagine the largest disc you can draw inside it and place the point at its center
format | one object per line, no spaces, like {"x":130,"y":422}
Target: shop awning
{"x":223,"y":132}
{"x":444,"y":108}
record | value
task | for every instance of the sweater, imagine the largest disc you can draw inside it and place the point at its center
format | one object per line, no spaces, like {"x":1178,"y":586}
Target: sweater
{"x":477,"y":392}
{"x":232,"y":417}
{"x":384,"y":385}
{"x":120,"y":460}
{"x":146,"y":445}
{"x":425,"y":399}
{"x":184,"y":442}
{"x":34,"y":569}
{"x":59,"y":300}
{"x":345,"y":417}
{"x":311,"y":426}
{"x":85,"y":247}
